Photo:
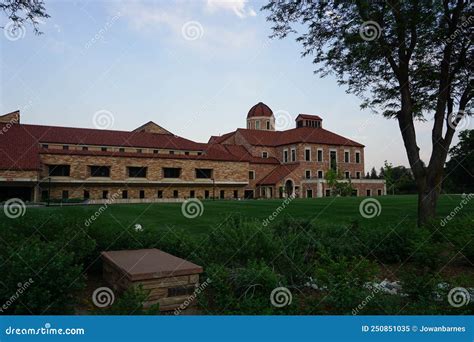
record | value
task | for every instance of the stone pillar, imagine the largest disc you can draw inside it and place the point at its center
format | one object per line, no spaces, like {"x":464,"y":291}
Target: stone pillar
{"x":320,"y":189}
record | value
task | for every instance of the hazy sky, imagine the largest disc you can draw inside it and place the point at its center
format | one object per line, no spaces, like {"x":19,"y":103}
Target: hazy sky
{"x":194,"y":67}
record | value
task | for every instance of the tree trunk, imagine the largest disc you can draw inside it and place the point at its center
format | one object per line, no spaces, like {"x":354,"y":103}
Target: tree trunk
{"x":427,"y":200}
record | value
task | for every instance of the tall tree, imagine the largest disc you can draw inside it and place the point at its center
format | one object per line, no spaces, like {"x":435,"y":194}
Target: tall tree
{"x":405,"y":58}
{"x":373,"y":174}
{"x":24,"y":11}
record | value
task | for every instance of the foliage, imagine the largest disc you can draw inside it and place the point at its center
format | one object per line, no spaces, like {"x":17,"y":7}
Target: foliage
{"x":338,"y":186}
{"x":20,"y":12}
{"x":460,"y":167}
{"x":131,"y":303}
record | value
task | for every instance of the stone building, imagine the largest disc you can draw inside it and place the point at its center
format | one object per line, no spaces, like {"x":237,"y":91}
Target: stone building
{"x":41,"y":163}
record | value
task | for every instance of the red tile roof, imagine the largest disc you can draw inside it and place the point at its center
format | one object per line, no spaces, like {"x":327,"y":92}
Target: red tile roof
{"x":18,"y":149}
{"x":295,"y":135}
{"x":278,"y":174}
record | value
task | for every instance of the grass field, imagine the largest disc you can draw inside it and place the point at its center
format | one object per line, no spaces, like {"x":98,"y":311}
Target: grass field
{"x":330,"y":210}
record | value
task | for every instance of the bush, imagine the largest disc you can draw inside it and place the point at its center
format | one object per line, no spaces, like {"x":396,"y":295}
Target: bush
{"x":131,"y":302}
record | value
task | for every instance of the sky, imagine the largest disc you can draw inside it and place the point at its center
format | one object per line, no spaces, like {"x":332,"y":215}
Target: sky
{"x":194,"y":67}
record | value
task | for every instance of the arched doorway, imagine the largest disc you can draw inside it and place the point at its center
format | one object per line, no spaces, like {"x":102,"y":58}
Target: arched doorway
{"x":289,"y":188}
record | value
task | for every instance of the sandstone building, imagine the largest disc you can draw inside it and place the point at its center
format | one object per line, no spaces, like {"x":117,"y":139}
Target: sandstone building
{"x":41,"y":163}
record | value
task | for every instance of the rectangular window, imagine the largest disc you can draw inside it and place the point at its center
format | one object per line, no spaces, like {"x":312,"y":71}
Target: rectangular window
{"x":357,"y":157}
{"x":160,"y":194}
{"x":236,"y":193}
{"x":175,"y":194}
{"x":307,"y":154}
{"x":206,"y":194}
{"x":59,"y":170}
{"x":65,"y":194}
{"x":333,"y":160}
{"x":346,"y":157}
{"x":137,"y":172}
{"x":251,"y":174}
{"x":257,"y":124}
{"x":192,"y":194}
{"x":124,"y":194}
{"x":86,"y":194}
{"x":171,"y":152}
{"x":103,"y":149}
{"x":347,"y":174}
{"x":320,"y":155}
{"x":65,"y":147}
{"x":308,"y":174}
{"x":155,"y":151}
{"x":369,"y":192}
{"x":309,"y":193}
{"x":142,"y":194}
{"x":379,"y":192}
{"x":204,"y":173}
{"x":268,"y":124}
{"x":320,"y":174}
{"x":139,"y":150}
{"x":328,"y":192}
{"x":44,"y":195}
{"x":85,"y":148}
{"x":358,"y":174}
{"x":293,"y":155}
{"x":186,"y":153}
{"x":171,"y":172}
{"x":121,"y":150}
{"x":105,"y":194}
{"x":264,"y":154}
{"x":285,"y":156}
{"x":222,"y":194}
{"x":99,"y":171}
{"x":44,"y":145}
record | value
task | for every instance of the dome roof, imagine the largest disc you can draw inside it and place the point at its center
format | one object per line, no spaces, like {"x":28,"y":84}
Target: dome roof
{"x":260,"y":109}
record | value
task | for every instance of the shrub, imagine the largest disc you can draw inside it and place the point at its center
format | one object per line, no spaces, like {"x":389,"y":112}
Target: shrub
{"x":131,"y":302}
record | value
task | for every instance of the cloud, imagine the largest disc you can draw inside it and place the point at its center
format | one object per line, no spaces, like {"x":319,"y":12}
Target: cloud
{"x":239,"y":7}
{"x":174,"y":22}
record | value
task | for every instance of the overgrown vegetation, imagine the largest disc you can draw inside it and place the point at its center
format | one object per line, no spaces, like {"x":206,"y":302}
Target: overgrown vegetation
{"x":325,"y":266}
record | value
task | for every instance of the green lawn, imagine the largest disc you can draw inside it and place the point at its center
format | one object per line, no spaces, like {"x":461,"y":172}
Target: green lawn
{"x":332,"y":210}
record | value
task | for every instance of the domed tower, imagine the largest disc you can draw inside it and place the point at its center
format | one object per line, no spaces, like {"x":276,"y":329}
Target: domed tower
{"x":261,"y":117}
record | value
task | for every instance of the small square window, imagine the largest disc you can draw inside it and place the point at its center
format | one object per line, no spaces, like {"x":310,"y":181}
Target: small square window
{"x":139,"y":150}
{"x":121,"y":150}
{"x":85,"y":148}
{"x":155,"y":151}
{"x":103,"y":149}
{"x":44,"y":146}
{"x":264,"y":154}
{"x":65,"y":147}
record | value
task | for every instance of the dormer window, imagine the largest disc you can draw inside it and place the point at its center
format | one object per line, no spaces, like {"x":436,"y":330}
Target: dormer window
{"x":306,"y":120}
{"x":264,"y":154}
